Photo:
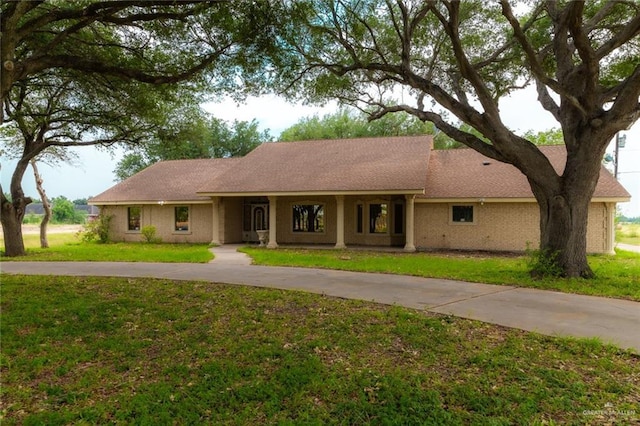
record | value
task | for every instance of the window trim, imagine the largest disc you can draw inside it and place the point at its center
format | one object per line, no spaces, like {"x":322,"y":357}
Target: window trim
{"x":474,"y":211}
{"x":128,"y":223}
{"x":175,"y":221}
{"x":309,"y":203}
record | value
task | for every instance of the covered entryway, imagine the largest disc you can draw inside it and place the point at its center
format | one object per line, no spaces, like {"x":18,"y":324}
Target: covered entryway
{"x":255,"y":218}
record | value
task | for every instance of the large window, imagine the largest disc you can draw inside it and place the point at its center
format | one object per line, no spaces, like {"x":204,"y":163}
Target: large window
{"x":134,"y":215}
{"x":462,"y":214}
{"x":378,"y":218}
{"x":181,"y":214}
{"x":308,"y":218}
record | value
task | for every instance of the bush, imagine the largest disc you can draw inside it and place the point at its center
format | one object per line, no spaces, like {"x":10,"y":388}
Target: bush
{"x":149,"y":234}
{"x":63,"y":211}
{"x":96,"y":230}
{"x":32,"y":218}
{"x":543,"y":263}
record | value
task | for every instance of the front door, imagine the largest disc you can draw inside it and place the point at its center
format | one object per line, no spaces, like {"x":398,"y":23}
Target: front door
{"x":259,"y":217}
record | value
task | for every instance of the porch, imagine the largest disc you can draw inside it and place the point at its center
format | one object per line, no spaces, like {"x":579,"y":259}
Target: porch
{"x":329,"y":221}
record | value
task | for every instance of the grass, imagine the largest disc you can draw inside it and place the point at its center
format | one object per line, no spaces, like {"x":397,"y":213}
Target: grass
{"x":143,"y":351}
{"x":617,"y":276}
{"x":67,"y":247}
{"x":628,"y":233}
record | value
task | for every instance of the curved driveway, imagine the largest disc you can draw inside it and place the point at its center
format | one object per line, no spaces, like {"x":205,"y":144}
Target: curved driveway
{"x":547,"y":312}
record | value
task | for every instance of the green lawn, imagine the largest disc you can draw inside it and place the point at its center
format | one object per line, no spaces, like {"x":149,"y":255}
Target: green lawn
{"x":628,"y":233}
{"x":67,"y":247}
{"x":617,"y":276}
{"x":142,"y":351}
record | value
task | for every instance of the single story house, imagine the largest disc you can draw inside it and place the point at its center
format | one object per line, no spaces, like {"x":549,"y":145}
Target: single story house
{"x":389,"y":191}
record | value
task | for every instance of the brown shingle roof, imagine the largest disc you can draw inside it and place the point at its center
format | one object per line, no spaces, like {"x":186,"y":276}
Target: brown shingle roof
{"x":366,"y":164}
{"x":175,"y":180}
{"x":396,"y":164}
{"x":465,"y":173}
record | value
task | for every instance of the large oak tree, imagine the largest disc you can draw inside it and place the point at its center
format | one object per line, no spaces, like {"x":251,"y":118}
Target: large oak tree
{"x":454,"y":61}
{"x":98,"y":72}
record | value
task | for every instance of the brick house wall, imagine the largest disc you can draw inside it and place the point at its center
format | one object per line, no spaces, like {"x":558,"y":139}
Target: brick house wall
{"x":497,"y":226}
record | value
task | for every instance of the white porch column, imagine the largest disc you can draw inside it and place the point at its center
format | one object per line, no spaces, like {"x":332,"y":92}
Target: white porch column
{"x":610,"y":226}
{"x":340,"y":222}
{"x":409,"y":222}
{"x":215,"y":221}
{"x":272,"y":223}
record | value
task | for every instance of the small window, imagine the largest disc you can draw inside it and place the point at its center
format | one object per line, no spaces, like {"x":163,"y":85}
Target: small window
{"x":308,"y":218}
{"x":378,"y":218}
{"x":359,"y":218}
{"x":398,"y":218}
{"x":462,"y":214}
{"x":181,"y":218}
{"x":133,"y":218}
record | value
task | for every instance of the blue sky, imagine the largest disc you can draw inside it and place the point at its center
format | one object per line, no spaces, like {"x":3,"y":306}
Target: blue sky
{"x":93,"y":173}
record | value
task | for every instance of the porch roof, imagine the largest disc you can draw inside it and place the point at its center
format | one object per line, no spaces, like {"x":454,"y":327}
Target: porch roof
{"x":365,"y":165}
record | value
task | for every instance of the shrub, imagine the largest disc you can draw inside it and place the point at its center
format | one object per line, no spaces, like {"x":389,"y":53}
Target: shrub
{"x":542,"y":263}
{"x":63,"y":211}
{"x":32,"y":218}
{"x":149,"y":234}
{"x":96,"y":230}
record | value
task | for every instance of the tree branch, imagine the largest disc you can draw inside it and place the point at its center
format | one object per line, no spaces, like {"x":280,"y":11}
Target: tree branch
{"x":468,"y":139}
{"x":532,"y":57}
{"x":630,"y":31}
{"x":547,"y":101}
{"x":86,"y":65}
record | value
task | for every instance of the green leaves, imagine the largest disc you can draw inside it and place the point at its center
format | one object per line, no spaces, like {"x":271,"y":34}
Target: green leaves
{"x":190,"y":133}
{"x":347,"y":123}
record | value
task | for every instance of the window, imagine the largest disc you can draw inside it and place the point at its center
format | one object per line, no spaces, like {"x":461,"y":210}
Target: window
{"x":378,"y":218}
{"x":259,"y":219}
{"x":181,"y":214}
{"x":133,"y":218}
{"x":359,"y":218}
{"x":462,"y":214}
{"x":398,"y":218}
{"x":308,"y":218}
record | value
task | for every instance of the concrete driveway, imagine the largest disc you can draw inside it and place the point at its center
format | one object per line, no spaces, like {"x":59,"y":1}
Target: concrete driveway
{"x":547,"y":312}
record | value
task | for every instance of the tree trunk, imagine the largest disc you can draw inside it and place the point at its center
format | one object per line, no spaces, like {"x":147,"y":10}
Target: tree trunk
{"x":44,"y":242}
{"x":563,"y":236}
{"x":564,"y":211}
{"x":11,"y":218}
{"x":13,"y":213}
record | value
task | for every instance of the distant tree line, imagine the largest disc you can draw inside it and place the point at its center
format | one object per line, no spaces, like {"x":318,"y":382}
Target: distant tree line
{"x":623,"y":218}
{"x":63,"y":211}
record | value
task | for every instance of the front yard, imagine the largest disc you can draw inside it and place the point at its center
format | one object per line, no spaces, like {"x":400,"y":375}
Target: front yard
{"x":143,"y":351}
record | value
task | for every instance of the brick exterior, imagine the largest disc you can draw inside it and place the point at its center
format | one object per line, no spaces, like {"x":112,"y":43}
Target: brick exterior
{"x":162,"y":217}
{"x":497,"y":226}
